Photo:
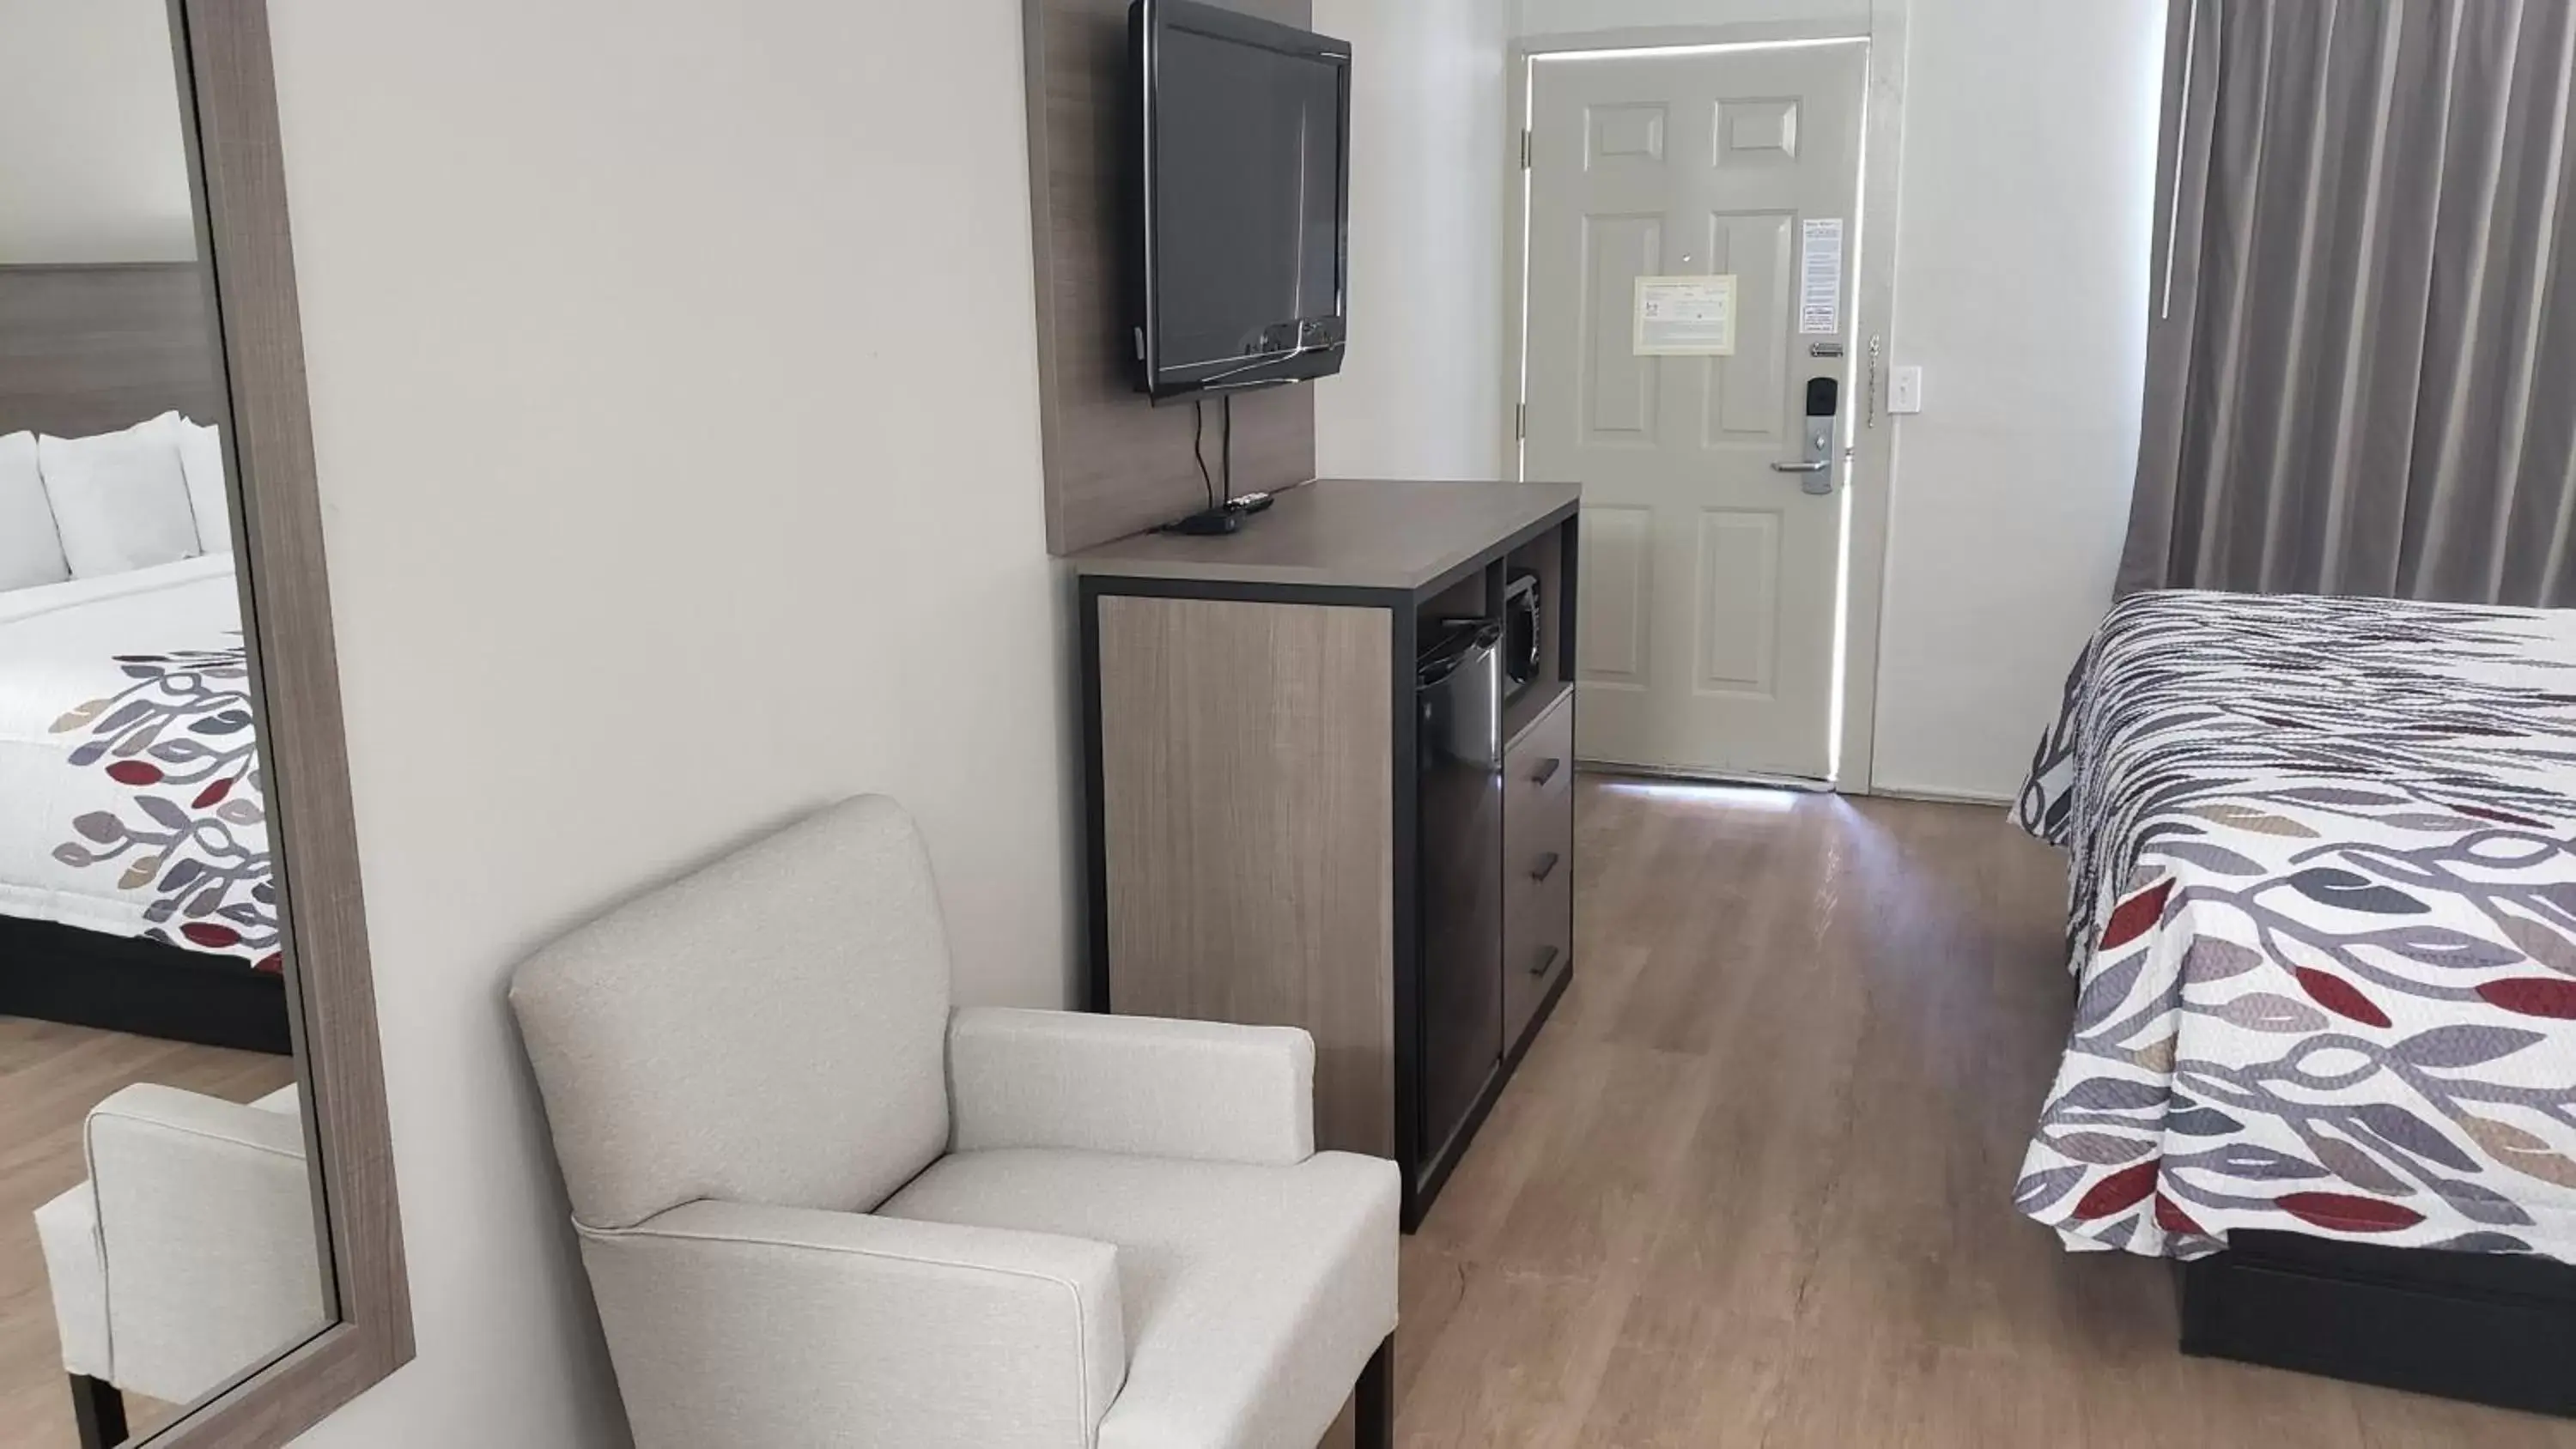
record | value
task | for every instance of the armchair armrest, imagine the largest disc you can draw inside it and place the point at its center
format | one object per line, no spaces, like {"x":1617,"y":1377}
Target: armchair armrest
{"x":734,"y":1324}
{"x":1132,"y":1084}
{"x":76,"y":1269}
{"x":204,"y":1228}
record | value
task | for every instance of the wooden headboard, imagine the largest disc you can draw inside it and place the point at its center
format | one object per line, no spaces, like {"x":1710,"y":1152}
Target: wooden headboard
{"x":94,"y":348}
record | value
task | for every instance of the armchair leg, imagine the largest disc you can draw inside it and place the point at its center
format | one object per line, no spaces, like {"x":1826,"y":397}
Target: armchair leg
{"x":98,"y":1412}
{"x":1374,"y":1398}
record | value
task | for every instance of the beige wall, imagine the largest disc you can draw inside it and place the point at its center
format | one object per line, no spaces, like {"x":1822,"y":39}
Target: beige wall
{"x":93,"y":164}
{"x":1422,"y":394}
{"x":673,"y":386}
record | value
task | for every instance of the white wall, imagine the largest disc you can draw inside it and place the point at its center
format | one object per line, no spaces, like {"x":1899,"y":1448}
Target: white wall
{"x":1575,"y":17}
{"x":674,"y":386}
{"x":2028,"y":178}
{"x":1421,"y":395}
{"x":93,"y":164}
{"x":2029,"y":182}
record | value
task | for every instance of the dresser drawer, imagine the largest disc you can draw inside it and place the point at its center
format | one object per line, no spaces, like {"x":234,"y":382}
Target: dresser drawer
{"x":1538,"y":867}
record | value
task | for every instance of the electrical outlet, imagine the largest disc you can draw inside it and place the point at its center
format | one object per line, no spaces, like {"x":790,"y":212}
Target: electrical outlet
{"x":1905,"y":390}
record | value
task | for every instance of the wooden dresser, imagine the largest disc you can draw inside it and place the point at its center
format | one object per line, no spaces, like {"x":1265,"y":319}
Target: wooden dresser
{"x":1253,"y":797}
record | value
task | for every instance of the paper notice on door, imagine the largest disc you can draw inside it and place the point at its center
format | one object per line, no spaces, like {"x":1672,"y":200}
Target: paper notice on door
{"x":1685,"y":316}
{"x":1820,"y":279}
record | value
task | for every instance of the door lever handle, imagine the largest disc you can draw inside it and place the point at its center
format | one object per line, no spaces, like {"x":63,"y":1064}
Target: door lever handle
{"x":1816,"y":467}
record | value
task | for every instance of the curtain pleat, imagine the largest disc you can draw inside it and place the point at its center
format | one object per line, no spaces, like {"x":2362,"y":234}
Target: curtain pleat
{"x":2359,"y":371}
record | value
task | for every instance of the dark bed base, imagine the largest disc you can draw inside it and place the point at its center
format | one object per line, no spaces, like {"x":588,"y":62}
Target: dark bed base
{"x":2490,"y":1329}
{"x":81,"y":978}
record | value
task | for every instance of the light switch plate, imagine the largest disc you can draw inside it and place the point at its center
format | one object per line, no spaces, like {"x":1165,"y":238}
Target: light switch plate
{"x":1905,"y":390}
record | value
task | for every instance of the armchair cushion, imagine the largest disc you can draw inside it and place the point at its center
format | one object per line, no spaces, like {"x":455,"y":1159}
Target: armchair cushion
{"x":1253,"y":1295}
{"x":732,"y":1324}
{"x":1190,"y":1089}
{"x":289,"y":1100}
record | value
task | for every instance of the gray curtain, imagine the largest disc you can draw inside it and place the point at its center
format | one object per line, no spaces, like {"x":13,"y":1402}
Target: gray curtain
{"x":2361,"y":369}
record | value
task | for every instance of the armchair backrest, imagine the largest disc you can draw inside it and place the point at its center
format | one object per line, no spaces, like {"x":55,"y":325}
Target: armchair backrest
{"x":207,"y":1252}
{"x":771,"y":1029}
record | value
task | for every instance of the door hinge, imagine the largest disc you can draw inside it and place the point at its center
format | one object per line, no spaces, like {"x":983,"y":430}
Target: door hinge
{"x":1520,"y":422}
{"x":1526,"y":147}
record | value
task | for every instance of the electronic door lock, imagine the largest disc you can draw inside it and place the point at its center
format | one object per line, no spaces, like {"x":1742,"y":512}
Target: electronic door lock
{"x":1824,"y":404}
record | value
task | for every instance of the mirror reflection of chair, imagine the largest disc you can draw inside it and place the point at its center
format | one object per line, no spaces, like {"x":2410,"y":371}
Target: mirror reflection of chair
{"x":188,"y":1257}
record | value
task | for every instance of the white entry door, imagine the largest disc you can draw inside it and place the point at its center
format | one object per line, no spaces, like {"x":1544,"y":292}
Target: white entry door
{"x":1712,"y":579}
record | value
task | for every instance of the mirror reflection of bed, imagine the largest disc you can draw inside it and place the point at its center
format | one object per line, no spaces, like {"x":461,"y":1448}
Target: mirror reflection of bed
{"x":156,"y":1228}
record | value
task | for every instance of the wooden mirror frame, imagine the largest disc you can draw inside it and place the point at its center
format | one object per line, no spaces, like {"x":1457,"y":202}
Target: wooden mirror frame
{"x":228,"y":90}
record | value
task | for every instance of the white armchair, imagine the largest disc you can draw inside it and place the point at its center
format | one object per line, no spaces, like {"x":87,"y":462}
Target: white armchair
{"x":819,"y":1208}
{"x":188,"y":1257}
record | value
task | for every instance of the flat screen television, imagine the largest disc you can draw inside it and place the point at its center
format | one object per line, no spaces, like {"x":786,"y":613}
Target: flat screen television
{"x":1241,"y":200}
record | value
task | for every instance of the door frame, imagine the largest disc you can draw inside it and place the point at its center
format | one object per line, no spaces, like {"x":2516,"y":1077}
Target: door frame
{"x":1871,"y":469}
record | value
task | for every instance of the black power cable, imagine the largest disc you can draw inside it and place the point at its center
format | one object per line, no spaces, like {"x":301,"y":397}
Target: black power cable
{"x":1198,"y":430}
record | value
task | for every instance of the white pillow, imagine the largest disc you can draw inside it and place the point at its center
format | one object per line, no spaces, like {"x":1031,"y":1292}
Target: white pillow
{"x":120,"y":499}
{"x":201,"y":458}
{"x":31,"y":553}
{"x":201,"y":461}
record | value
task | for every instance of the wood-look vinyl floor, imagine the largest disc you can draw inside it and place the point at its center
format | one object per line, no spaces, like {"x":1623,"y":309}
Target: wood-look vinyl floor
{"x":1752,"y":1186}
{"x":50,"y":1076}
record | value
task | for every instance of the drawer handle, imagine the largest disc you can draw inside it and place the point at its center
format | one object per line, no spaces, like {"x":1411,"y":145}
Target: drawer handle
{"x":1548,"y":962}
{"x":1546,"y":772}
{"x":1546,"y":866}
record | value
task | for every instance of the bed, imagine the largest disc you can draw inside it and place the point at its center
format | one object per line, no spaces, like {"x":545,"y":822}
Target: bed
{"x":135,"y":806}
{"x":136,"y":889}
{"x":2323,"y":931}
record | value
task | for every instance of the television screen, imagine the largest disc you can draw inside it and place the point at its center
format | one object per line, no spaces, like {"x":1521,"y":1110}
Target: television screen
{"x":1245,"y":200}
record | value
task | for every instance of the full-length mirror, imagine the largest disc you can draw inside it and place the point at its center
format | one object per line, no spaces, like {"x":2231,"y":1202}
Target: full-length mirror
{"x":161,"y":1228}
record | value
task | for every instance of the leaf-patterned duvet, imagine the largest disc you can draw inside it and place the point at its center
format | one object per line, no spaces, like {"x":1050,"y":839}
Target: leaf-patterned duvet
{"x":130,"y":793}
{"x":2323,"y":926}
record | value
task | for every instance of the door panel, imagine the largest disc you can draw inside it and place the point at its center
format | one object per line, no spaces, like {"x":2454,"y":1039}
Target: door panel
{"x":1618,"y":544}
{"x":1627,"y":131}
{"x":1739,"y":573}
{"x":1623,"y":388}
{"x":1712,"y":583}
{"x":1743,"y":403}
{"x":1755,"y":132}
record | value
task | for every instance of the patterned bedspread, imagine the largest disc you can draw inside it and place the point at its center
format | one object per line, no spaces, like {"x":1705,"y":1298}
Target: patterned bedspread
{"x":2323,"y":927}
{"x":131,"y":802}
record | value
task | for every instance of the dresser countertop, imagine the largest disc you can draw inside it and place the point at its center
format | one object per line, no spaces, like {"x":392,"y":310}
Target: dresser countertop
{"x":1351,"y":533}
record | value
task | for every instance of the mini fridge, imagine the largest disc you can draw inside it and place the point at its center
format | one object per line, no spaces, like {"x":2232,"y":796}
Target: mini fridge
{"x":1459,"y":693}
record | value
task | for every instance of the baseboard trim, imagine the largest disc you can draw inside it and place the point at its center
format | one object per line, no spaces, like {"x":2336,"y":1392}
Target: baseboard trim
{"x":1659,"y":775}
{"x":1940,"y":797}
